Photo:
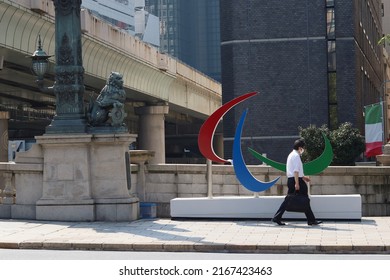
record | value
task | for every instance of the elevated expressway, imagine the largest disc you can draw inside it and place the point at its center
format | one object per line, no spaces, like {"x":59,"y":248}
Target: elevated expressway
{"x":153,"y":81}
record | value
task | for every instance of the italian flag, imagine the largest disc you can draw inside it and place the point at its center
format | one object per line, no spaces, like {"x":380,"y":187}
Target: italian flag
{"x":374,"y":129}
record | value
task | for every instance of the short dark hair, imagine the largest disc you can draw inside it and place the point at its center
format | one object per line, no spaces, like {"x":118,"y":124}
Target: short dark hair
{"x":299,"y":143}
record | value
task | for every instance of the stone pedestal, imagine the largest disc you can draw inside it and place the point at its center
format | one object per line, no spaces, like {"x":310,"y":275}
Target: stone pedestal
{"x":5,"y":207}
{"x":384,"y":159}
{"x":109,"y":178}
{"x":7,"y":196}
{"x":28,"y":185}
{"x":4,"y":116}
{"x":84,"y":178}
{"x":140,"y":157}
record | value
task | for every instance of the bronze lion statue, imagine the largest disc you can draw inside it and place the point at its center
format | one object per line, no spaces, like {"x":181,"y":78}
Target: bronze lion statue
{"x":109,"y":103}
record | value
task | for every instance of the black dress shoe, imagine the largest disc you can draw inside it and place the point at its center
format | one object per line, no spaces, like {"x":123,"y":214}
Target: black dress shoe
{"x":279,"y":222}
{"x":314,"y":223}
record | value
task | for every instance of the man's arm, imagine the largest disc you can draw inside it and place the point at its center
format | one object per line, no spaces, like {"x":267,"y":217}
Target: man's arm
{"x":296,"y":178}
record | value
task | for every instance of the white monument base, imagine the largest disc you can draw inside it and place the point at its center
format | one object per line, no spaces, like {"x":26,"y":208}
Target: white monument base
{"x":343,"y":207}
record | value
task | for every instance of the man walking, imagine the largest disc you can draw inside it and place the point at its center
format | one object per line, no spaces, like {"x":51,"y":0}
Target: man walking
{"x":296,"y":182}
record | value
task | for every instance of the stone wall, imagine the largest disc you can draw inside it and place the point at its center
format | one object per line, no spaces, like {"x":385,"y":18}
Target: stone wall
{"x":165,"y":182}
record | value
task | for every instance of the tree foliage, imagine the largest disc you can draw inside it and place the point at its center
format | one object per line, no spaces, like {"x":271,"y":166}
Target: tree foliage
{"x":347,"y":143}
{"x":384,"y":39}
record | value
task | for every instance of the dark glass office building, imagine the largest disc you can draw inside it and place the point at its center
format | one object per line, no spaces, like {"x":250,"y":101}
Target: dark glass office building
{"x":314,"y":62}
{"x":190,"y":32}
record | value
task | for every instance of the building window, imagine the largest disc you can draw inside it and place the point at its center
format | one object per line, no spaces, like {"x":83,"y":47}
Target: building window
{"x":331,"y":55}
{"x":333,"y":117}
{"x":330,"y":3}
{"x":332,"y":86}
{"x":330,"y":26}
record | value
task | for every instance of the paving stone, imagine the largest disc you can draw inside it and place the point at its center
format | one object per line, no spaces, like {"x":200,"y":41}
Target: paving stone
{"x":370,"y":235}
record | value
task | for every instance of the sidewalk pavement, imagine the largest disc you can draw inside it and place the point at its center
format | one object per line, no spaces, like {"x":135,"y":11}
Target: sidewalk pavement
{"x":371,"y":235}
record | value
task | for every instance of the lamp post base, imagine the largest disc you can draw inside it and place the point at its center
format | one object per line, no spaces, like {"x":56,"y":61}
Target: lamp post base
{"x":71,"y":125}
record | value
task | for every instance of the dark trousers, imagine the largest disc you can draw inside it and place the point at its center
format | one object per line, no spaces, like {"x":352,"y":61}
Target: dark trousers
{"x":291,"y":189}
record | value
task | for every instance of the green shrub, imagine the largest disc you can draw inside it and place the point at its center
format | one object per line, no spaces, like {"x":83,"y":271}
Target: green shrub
{"x":314,"y":141}
{"x":347,"y":143}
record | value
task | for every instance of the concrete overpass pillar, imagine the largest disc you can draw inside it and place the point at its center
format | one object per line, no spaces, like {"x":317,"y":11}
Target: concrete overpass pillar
{"x":4,"y":116}
{"x":151,"y":134}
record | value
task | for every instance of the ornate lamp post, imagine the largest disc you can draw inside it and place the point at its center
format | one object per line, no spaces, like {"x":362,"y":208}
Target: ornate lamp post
{"x":69,"y":72}
{"x":80,"y":183}
{"x":40,"y":63}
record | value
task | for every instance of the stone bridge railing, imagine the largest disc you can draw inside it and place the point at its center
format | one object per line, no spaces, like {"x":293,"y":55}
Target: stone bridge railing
{"x":21,"y":184}
{"x":168,"y":181}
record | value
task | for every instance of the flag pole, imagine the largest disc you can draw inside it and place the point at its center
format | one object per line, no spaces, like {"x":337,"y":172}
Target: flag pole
{"x":383,"y":123}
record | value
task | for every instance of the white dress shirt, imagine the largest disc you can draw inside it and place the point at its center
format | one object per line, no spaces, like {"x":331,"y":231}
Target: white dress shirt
{"x":294,"y":164}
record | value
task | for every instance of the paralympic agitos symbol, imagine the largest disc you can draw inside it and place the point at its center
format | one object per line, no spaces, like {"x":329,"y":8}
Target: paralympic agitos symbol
{"x":205,"y":143}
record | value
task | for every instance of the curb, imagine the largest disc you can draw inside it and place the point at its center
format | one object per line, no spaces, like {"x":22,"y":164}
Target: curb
{"x":200,"y":248}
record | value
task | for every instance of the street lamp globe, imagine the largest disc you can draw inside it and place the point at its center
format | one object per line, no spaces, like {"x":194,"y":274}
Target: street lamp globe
{"x":40,"y":61}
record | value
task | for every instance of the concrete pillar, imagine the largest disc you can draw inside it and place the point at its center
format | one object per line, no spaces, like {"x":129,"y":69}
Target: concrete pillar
{"x":4,"y":117}
{"x":151,"y":134}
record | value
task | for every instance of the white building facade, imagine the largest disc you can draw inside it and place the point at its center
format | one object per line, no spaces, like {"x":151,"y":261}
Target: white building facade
{"x":129,"y":15}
